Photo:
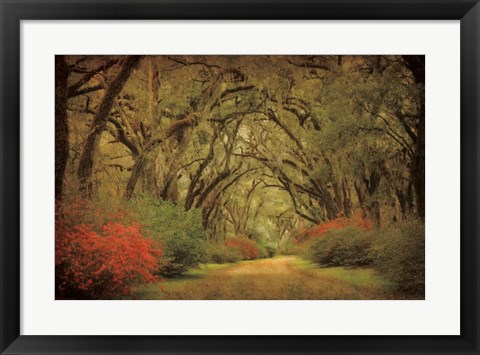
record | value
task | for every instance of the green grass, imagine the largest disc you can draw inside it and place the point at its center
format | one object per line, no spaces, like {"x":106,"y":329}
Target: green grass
{"x":354,"y":276}
{"x":152,"y":291}
{"x":282,"y":277}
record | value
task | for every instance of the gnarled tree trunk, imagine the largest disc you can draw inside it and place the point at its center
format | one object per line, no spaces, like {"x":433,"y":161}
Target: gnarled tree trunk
{"x":99,"y":124}
{"x":416,"y":64}
{"x":61,"y":123}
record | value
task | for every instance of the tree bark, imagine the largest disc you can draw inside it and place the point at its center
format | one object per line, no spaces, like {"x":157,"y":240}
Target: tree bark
{"x":375,"y":215}
{"x":192,"y":193}
{"x":132,"y":182}
{"x":169,"y":192}
{"x":347,"y":202}
{"x":175,"y":128}
{"x":416,"y":64}
{"x":418,"y":169}
{"x":99,"y":124}
{"x":61,"y":123}
{"x":217,"y":180}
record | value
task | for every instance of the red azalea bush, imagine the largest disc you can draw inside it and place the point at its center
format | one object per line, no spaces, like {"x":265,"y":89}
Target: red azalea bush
{"x":248,"y":249}
{"x":304,"y":239}
{"x":100,"y":256}
{"x":357,"y":221}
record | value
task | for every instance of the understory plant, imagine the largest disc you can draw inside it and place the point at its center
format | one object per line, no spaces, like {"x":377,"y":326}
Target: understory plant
{"x":179,"y":231}
{"x":100,"y":255}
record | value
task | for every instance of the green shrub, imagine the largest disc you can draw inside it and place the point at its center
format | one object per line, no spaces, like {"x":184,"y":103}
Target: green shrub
{"x":182,"y":253}
{"x":180,"y":232}
{"x":271,"y":250}
{"x":262,"y":252}
{"x":221,"y":254}
{"x":396,"y":252}
{"x":348,"y":247}
{"x":266,"y":249}
{"x":399,"y":254}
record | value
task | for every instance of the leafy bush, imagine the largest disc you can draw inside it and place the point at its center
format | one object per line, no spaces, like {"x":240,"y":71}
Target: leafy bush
{"x":221,"y":254}
{"x":181,"y":232}
{"x":248,"y":249}
{"x":101,"y":260}
{"x":262,"y":252}
{"x":399,"y":254}
{"x":345,"y":247}
{"x":396,"y":252}
{"x":182,"y":252}
{"x":270,"y":251}
{"x":236,"y":249}
{"x":339,"y":223}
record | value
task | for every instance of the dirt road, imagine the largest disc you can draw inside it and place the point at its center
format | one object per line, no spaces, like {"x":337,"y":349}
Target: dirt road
{"x":279,"y":278}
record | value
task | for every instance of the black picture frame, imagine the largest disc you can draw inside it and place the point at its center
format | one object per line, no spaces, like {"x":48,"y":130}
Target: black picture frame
{"x":13,"y":11}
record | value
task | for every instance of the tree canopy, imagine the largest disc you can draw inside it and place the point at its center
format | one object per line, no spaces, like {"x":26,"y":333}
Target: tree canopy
{"x":260,"y":145}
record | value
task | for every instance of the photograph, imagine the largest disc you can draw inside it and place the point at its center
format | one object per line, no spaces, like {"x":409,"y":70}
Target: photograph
{"x":239,"y":177}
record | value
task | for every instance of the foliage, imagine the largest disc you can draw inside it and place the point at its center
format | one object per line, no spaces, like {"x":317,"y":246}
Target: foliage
{"x":182,"y":252}
{"x":336,"y":224}
{"x":104,"y":260}
{"x":399,"y":254}
{"x":270,"y":250}
{"x":396,"y":252}
{"x":344,"y":247}
{"x":248,"y":249}
{"x":291,"y":154}
{"x":219,"y":253}
{"x":236,"y":249}
{"x":180,"y":232}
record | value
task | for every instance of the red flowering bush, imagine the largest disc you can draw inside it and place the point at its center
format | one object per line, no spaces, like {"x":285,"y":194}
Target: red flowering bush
{"x":336,"y":224}
{"x":248,"y":249}
{"x":101,"y":260}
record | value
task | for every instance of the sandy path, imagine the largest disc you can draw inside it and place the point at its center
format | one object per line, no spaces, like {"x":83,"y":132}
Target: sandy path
{"x":278,"y":278}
